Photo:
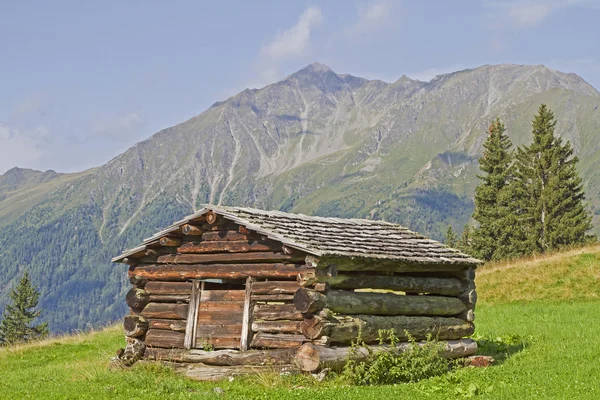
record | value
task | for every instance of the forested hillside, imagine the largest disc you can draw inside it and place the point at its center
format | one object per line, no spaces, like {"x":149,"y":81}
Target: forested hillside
{"x":317,"y":142}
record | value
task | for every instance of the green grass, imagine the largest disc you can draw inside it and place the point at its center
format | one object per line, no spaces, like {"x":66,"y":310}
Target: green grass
{"x":546,"y":347}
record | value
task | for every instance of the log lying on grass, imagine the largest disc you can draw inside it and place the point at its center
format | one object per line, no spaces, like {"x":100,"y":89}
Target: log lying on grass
{"x":223,"y":357}
{"x":345,"y":330}
{"x":312,"y":358}
{"x":415,"y":284}
{"x":347,"y":302}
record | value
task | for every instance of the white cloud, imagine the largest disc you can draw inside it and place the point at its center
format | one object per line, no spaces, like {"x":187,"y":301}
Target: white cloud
{"x":294,"y":42}
{"x":529,"y":13}
{"x":121,"y":127}
{"x":375,"y":16}
{"x":20,"y":149}
{"x":291,"y":44}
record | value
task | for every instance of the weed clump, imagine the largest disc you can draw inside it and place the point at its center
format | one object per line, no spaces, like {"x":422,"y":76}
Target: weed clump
{"x":393,"y":364}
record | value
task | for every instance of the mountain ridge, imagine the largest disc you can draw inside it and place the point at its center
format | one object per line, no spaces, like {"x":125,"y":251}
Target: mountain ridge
{"x":315,"y":142}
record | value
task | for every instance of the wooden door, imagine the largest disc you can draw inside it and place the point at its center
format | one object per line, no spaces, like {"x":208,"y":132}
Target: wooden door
{"x":219,"y":316}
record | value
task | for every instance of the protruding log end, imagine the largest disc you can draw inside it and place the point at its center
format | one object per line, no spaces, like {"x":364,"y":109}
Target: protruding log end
{"x":211,"y":218}
{"x":135,"y":325}
{"x":313,"y":327}
{"x":307,"y":358}
{"x":191,"y":230}
{"x":307,"y":278}
{"x":309,"y":301}
{"x":169,"y":241}
{"x":132,"y":262}
{"x":137,"y":298}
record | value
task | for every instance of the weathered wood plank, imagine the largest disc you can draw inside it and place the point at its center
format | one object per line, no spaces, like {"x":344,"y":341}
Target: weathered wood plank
{"x":220,"y":306}
{"x":166,"y":288}
{"x":169,"y":298}
{"x":247,"y":315}
{"x":227,"y":247}
{"x":275,"y":312}
{"x":214,"y":271}
{"x":165,"y":311}
{"x":218,"y":342}
{"x":214,"y":331}
{"x":277,"y":341}
{"x":272,"y":297}
{"x":192,"y":314}
{"x":277,"y":327}
{"x":164,"y":338}
{"x":222,"y":295}
{"x":220,"y":318}
{"x":178,"y":325}
{"x":275,"y":287}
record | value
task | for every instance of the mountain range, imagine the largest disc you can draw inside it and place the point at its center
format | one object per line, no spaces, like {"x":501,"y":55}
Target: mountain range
{"x":317,"y":142}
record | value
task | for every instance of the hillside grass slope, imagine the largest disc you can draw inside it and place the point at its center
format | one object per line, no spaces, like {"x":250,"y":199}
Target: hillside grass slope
{"x":536,"y":316}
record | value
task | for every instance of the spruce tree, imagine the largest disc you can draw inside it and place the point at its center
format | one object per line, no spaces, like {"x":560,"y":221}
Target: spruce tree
{"x":16,"y":325}
{"x":551,"y":194}
{"x":450,"y":239}
{"x":497,"y":236}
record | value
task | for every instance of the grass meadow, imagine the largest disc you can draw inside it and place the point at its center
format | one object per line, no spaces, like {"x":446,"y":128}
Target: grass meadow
{"x":539,"y":317}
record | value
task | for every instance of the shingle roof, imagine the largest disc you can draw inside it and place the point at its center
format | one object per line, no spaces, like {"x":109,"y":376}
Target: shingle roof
{"x":322,"y":236}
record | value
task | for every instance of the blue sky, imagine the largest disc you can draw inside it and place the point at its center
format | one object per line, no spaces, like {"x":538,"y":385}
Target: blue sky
{"x":83,"y":81}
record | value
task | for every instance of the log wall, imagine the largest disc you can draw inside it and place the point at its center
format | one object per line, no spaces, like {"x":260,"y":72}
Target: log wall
{"x":162,"y":285}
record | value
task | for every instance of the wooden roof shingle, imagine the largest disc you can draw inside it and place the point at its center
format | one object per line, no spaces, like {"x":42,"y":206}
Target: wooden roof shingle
{"x":322,"y":236}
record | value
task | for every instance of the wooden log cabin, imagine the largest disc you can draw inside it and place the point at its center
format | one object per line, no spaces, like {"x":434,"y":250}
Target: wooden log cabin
{"x":239,"y":286}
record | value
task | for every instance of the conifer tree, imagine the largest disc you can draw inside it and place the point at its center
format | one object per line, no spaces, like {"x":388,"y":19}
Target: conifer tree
{"x":16,"y":325}
{"x":464,"y":243}
{"x":498,"y":235}
{"x":450,"y":239}
{"x":550,"y":190}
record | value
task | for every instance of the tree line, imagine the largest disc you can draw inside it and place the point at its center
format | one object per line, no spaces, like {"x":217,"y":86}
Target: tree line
{"x":529,"y":200}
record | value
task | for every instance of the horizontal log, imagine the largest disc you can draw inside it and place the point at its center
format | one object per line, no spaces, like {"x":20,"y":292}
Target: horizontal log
{"x":135,"y":325}
{"x":223,"y":357}
{"x":368,"y":264}
{"x":469,"y":298}
{"x":275,"y":287}
{"x":214,"y":271}
{"x":217,"y":373}
{"x":221,"y":330}
{"x":191,"y":230}
{"x":312,"y":358}
{"x":165,"y":311}
{"x":275,"y":312}
{"x":347,"y":329}
{"x":222,"y":258}
{"x":346,"y":302}
{"x":230,"y":235}
{"x":277,"y":327}
{"x":164,"y":288}
{"x":169,"y":298}
{"x":227,"y":247}
{"x":177,"y":325}
{"x":444,"y":286}
{"x":277,"y":341}
{"x":164,"y":338}
{"x":272,"y":297}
